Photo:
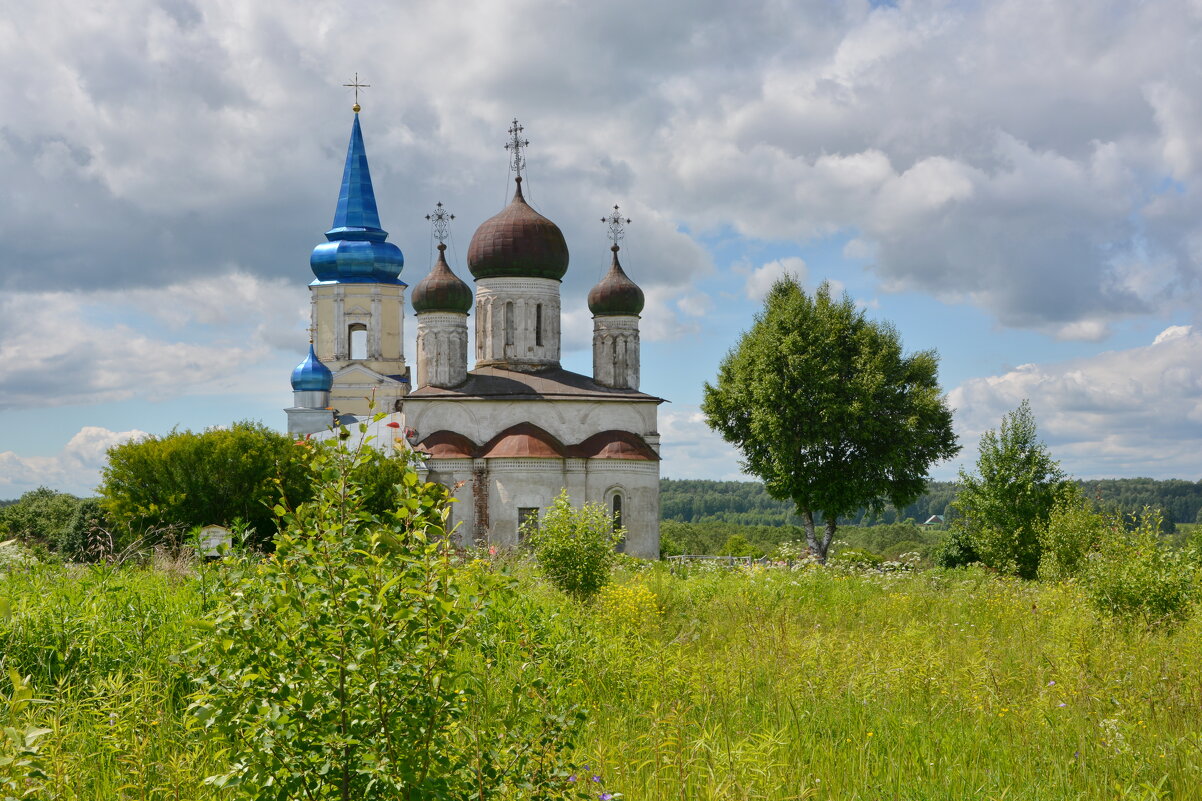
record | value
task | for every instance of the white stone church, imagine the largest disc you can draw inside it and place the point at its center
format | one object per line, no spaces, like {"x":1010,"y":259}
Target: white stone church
{"x":517,"y":428}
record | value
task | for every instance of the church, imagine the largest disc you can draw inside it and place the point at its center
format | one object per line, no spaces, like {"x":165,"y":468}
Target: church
{"x":512,"y":432}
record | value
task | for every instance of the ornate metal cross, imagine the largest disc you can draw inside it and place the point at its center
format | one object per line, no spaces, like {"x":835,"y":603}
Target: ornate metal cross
{"x":514,"y":146}
{"x":440,"y":219}
{"x":357,"y":87}
{"x":312,"y":332}
{"x":617,"y":225}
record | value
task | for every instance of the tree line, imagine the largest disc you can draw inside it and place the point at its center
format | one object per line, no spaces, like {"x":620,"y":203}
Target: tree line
{"x":747,"y":503}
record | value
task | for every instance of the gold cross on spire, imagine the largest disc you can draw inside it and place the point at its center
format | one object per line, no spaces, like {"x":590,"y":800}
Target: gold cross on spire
{"x":617,"y":226}
{"x":312,"y":332}
{"x":357,"y":87}
{"x":515,"y":145}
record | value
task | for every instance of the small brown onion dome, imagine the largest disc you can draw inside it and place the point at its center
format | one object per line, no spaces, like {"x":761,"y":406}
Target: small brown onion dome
{"x":441,"y":290}
{"x":518,"y":243}
{"x":616,"y":294}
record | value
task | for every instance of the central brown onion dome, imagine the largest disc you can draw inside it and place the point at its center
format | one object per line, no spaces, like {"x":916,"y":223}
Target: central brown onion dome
{"x":518,"y":243}
{"x":441,"y":290}
{"x":616,"y":293}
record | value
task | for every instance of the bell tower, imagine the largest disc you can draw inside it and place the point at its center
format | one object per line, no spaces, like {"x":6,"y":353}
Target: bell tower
{"x":357,"y":298}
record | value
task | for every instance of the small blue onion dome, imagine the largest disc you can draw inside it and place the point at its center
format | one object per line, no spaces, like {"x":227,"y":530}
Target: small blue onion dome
{"x":441,"y":290}
{"x":311,"y":375}
{"x":616,"y":293}
{"x":357,"y":251}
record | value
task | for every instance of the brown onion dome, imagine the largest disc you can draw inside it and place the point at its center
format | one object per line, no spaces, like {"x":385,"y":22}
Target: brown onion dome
{"x":616,"y":294}
{"x":441,"y":290}
{"x":518,"y":243}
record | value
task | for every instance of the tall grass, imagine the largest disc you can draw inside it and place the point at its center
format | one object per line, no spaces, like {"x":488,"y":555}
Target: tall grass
{"x":722,"y":684}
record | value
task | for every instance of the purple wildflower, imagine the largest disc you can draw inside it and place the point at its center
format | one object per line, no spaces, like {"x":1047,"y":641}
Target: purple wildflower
{"x":572,"y":778}
{"x":597,"y":778}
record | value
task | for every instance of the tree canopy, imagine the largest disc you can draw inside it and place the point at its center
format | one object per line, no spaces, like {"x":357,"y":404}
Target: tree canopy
{"x":1004,"y":505}
{"x":827,"y":410}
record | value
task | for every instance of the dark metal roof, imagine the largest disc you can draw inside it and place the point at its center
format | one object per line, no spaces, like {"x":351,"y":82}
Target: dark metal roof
{"x":552,"y":383}
{"x":518,"y":242}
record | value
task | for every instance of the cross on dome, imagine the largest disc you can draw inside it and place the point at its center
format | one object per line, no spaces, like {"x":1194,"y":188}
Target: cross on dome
{"x":440,"y":220}
{"x":517,"y":162}
{"x":355,"y":83}
{"x":617,"y":226}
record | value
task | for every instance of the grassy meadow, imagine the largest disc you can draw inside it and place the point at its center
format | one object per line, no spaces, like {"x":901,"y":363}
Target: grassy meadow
{"x":707,"y":684}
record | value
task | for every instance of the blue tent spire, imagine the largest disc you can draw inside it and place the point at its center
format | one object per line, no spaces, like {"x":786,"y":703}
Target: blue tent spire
{"x":357,"y":199}
{"x":357,"y":250}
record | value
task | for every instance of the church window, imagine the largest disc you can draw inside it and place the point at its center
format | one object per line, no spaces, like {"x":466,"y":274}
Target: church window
{"x":509,"y":323}
{"x":357,"y":334}
{"x":527,"y":521}
{"x":538,"y":324}
{"x":616,"y":508}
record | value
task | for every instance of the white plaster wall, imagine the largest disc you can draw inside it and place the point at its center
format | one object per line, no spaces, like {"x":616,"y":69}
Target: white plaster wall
{"x":569,"y":421}
{"x":525,"y":295}
{"x":616,"y":351}
{"x":441,"y":349}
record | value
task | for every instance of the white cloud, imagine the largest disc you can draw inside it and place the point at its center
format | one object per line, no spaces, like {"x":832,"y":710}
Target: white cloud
{"x":761,"y":279}
{"x":691,"y":449}
{"x":1124,"y":412}
{"x":202,"y":336}
{"x":74,"y":469}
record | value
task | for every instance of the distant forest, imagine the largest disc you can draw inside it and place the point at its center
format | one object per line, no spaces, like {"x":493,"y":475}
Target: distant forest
{"x":747,"y":502}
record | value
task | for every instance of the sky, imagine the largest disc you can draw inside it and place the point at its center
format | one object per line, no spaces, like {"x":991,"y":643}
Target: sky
{"x":1016,"y":184}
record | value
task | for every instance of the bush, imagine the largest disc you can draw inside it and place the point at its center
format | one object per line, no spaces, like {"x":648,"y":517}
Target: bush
{"x":1003,"y":507}
{"x":857,"y":558}
{"x":220,"y":476}
{"x":1135,"y":578}
{"x":737,"y":545}
{"x":39,"y":517}
{"x":575,"y":547}
{"x":1074,"y":530}
{"x":79,"y":540}
{"x":336,"y":667}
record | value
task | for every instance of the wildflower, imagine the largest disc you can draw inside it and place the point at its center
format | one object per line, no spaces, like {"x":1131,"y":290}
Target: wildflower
{"x":393,"y":424}
{"x":597,"y":779}
{"x":1052,"y":683}
{"x":1061,"y":705}
{"x":606,"y":796}
{"x":572,"y":778}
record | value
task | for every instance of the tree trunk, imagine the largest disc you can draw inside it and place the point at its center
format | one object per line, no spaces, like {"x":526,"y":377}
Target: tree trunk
{"x":816,"y":547}
{"x":831,"y":523}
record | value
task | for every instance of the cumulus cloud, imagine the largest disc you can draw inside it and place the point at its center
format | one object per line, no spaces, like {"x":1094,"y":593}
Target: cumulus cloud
{"x":196,"y":337}
{"x":1040,"y":160}
{"x":1124,"y":412}
{"x":74,"y":469}
{"x":761,"y":279}
{"x":690,"y":448}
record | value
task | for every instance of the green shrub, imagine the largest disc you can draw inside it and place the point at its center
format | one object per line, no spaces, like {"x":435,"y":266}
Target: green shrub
{"x":856,"y":558}
{"x":1003,"y":506}
{"x":336,"y":667}
{"x":737,"y":545}
{"x":1073,"y":531}
{"x":80,"y":539}
{"x":39,"y":517}
{"x":1136,"y":578}
{"x":575,"y":547}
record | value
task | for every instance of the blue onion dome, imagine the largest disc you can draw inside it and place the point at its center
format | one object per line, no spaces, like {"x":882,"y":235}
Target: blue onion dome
{"x":311,"y":375}
{"x":518,"y":243}
{"x":616,"y":293}
{"x":357,"y":251}
{"x":441,"y":290}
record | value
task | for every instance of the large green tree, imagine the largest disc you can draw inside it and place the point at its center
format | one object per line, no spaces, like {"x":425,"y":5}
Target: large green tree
{"x":828,"y":411}
{"x":1002,"y":508}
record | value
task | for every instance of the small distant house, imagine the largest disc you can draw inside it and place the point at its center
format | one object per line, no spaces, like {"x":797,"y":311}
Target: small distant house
{"x":934,"y":520}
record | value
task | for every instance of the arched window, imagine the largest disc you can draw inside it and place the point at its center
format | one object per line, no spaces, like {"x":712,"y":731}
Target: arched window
{"x":509,"y":323}
{"x":615,"y":505}
{"x":357,"y":335}
{"x":538,"y":324}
